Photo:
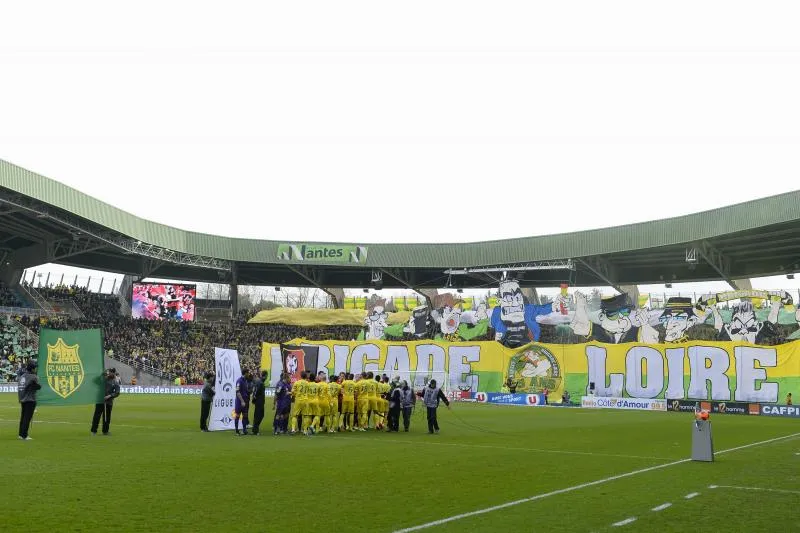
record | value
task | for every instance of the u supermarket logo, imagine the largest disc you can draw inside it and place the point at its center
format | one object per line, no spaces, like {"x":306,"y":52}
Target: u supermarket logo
{"x":533,"y":399}
{"x":481,"y":397}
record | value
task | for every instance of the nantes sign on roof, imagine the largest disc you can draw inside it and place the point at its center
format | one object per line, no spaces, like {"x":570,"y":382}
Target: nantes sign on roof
{"x":323,"y":253}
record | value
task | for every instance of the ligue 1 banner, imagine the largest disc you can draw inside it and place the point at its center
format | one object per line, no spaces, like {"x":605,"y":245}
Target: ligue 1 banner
{"x":716,"y":371}
{"x":228,"y":371}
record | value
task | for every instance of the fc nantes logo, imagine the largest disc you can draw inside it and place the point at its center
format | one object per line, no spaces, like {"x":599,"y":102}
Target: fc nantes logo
{"x":64,"y":368}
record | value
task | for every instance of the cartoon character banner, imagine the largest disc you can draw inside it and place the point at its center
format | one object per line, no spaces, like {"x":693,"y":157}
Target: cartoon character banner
{"x":721,"y":371}
{"x":619,"y":321}
{"x":758,"y":317}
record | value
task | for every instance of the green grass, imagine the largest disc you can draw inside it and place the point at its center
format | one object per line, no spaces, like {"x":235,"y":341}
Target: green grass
{"x":157,"y":472}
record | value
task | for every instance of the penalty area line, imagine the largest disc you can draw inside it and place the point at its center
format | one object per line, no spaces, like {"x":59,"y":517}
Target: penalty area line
{"x":579,"y":487}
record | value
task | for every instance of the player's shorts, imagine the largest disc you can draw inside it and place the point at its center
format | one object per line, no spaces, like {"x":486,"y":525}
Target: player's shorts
{"x":283,"y":409}
{"x":384,"y":406}
{"x":301,"y":408}
{"x":313,"y":408}
{"x":240,"y":408}
{"x":348,"y":406}
{"x":363,"y":406}
{"x":333,"y":408}
{"x":373,"y":404}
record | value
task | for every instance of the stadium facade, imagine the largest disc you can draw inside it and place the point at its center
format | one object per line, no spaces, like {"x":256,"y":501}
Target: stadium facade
{"x":42,"y":220}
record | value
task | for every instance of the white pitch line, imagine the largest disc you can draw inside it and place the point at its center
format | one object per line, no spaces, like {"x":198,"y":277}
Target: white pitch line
{"x":577,"y":487}
{"x":34,"y":422}
{"x":540,"y":450}
{"x":692,"y":495}
{"x":624,"y":522}
{"x":661,"y":507}
{"x":776,"y":439}
{"x":760,"y":489}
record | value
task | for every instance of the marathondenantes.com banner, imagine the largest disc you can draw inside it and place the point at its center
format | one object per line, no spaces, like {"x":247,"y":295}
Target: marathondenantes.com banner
{"x":142,"y":389}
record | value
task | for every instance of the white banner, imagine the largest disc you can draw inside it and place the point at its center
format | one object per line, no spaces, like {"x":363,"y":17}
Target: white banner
{"x":228,"y":371}
{"x":636,"y":404}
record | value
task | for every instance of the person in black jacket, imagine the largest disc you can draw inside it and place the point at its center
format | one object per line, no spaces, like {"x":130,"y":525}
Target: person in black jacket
{"x":259,"y":397}
{"x":431,"y":397}
{"x":206,"y":397}
{"x":104,"y":409}
{"x":395,"y":406}
{"x":27,"y":386}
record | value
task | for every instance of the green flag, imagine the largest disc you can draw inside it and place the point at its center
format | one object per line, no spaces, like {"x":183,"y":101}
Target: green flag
{"x":71,"y":367}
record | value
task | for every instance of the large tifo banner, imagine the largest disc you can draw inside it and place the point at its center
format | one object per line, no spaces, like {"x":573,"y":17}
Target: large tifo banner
{"x":721,"y":371}
{"x":228,"y":371}
{"x":71,"y":367}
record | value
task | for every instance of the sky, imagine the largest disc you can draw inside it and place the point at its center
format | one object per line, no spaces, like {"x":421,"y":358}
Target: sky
{"x":450,"y":121}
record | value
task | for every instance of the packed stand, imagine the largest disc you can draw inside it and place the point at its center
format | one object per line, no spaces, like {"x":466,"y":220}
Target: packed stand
{"x":15,"y":349}
{"x":97,"y":308}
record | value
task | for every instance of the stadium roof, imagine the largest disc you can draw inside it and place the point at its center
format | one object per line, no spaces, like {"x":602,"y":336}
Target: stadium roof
{"x":42,"y":220}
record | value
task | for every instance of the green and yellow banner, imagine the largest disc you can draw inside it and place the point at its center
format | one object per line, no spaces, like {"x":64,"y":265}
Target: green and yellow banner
{"x":71,"y":367}
{"x":723,"y":371}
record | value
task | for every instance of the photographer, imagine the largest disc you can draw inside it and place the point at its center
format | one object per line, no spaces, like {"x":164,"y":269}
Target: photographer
{"x":431,"y":398}
{"x":206,"y":397}
{"x":408,"y":401}
{"x":27,"y":386}
{"x":104,"y":409}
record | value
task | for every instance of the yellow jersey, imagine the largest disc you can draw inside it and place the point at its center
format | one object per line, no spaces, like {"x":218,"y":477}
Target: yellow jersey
{"x":361,"y":388}
{"x":372,"y":389}
{"x":311,"y":391}
{"x":299,"y":390}
{"x":333,"y":391}
{"x":322,"y":392}
{"x":385,"y":388}
{"x":348,"y":388}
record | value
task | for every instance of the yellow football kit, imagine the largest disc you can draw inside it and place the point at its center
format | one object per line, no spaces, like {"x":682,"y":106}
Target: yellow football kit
{"x":363,"y":402}
{"x":348,"y":397}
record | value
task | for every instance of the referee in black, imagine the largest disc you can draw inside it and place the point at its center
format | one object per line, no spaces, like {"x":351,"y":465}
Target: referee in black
{"x":104,"y":409}
{"x":259,"y":397}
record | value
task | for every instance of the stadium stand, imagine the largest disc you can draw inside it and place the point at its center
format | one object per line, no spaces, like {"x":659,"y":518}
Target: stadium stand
{"x":16,"y":345}
{"x":8,"y":298}
{"x":170,"y":349}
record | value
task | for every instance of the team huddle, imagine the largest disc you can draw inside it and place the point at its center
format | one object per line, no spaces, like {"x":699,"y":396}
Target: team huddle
{"x":346,"y":403}
{"x":320,"y":404}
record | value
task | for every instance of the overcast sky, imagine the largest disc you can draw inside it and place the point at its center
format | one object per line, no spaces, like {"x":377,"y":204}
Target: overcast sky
{"x":406,"y":122}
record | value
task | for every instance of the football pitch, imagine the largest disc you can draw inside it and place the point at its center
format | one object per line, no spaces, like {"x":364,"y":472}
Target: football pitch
{"x":492,"y":468}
